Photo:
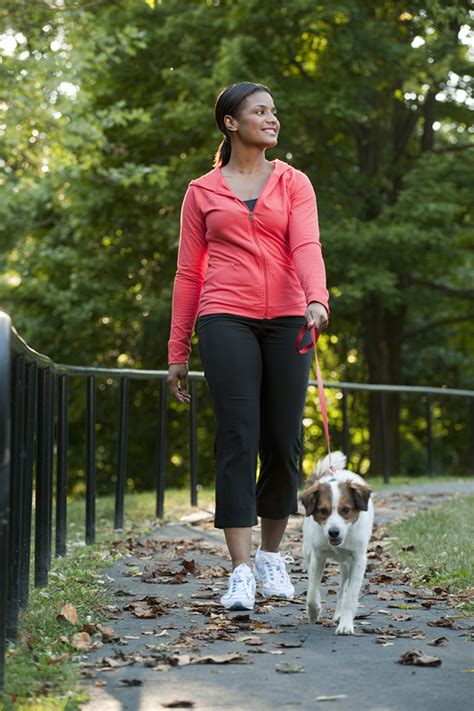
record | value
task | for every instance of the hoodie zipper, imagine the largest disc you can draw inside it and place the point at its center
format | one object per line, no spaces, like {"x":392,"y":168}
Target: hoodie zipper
{"x":264,"y":261}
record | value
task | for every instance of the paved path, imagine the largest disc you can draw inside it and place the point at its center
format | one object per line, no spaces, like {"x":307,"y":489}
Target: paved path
{"x":275,"y":659}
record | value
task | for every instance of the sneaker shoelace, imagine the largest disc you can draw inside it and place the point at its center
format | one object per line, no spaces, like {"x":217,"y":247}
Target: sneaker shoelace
{"x":276,"y":571}
{"x":236,"y":579}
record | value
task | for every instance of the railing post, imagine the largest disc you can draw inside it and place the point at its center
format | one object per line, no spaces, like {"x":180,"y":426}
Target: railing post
{"x":193,"y":453}
{"x":61,"y":466}
{"x":29,"y":433}
{"x":41,"y":489}
{"x":5,"y":478}
{"x":383,"y":417}
{"x":16,"y":494}
{"x":471,"y":429}
{"x":91,"y":468}
{"x":345,"y":425}
{"x":429,"y":435}
{"x":122,"y":453}
{"x":52,"y":412}
{"x":161,"y":458}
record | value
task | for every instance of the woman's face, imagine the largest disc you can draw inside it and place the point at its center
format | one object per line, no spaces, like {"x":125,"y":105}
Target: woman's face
{"x":256,"y":122}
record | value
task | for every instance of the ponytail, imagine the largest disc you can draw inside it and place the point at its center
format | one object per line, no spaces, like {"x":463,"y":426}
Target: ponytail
{"x":222,"y":155}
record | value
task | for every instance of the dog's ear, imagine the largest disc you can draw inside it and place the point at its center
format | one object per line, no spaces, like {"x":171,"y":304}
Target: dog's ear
{"x":309,"y":499}
{"x":361,"y":494}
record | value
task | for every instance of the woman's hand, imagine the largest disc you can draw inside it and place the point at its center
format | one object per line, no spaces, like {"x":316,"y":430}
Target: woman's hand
{"x":178,"y":381}
{"x":316,"y":315}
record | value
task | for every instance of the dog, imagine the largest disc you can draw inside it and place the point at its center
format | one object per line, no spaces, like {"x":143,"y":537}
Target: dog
{"x":338,"y":525}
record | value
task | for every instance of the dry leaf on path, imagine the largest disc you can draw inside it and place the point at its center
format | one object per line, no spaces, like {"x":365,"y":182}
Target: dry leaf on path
{"x":131,"y":682}
{"x":178,"y":704}
{"x":335,"y":697}
{"x":438,"y":641}
{"x":418,"y":658}
{"x":215,"y":571}
{"x":68,"y":613}
{"x":230,"y":658}
{"x":108,"y":634}
{"x":289,"y":669}
{"x":444,"y":622}
{"x":82,"y":641}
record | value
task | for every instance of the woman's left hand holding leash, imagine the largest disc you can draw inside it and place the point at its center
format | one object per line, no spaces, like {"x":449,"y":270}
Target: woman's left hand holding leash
{"x":316,"y":315}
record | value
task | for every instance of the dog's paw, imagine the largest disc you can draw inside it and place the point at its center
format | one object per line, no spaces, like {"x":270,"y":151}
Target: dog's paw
{"x":313,"y":611}
{"x":345,"y":627}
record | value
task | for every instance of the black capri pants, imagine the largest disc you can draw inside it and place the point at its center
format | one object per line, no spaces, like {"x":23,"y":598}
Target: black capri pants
{"x":258,"y":384}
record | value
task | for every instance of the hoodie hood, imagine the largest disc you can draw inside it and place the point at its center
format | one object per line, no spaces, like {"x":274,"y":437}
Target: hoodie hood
{"x":215,"y":182}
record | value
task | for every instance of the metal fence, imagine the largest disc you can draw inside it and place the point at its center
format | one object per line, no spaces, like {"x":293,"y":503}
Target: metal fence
{"x":34,"y":434}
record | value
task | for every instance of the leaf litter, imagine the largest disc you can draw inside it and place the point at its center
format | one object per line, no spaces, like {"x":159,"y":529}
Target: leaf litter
{"x":174,"y":562}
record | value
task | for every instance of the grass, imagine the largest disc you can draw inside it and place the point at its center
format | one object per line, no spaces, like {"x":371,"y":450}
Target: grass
{"x":42,"y":662}
{"x":443,"y":553}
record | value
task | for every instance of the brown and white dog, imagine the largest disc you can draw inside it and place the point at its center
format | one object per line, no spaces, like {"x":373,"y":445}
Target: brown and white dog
{"x":338,"y":525}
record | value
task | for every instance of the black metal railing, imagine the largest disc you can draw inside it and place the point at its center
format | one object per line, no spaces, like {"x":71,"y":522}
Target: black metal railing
{"x":34,"y":433}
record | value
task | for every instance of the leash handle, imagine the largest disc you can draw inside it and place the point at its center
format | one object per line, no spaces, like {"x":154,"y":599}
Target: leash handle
{"x":322,"y":400}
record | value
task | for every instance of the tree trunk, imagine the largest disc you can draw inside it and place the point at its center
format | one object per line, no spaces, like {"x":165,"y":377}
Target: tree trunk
{"x":382,"y":348}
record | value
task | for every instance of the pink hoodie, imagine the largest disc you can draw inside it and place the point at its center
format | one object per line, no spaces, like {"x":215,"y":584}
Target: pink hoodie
{"x":262,"y":264}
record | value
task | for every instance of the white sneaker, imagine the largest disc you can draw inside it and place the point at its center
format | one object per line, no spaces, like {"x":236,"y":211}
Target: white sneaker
{"x":241,"y":591}
{"x":270,"y":570}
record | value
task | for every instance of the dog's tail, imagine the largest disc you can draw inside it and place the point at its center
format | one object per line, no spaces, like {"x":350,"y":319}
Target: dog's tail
{"x":338,"y":461}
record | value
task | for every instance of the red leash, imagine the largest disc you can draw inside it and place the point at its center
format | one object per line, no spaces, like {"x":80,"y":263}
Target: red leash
{"x":322,"y":399}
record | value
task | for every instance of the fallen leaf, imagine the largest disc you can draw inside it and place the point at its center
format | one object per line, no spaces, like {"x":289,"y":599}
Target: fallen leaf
{"x":59,"y":659}
{"x":82,"y":641}
{"x":444,"y":622}
{"x":68,"y":613}
{"x":390,"y":595}
{"x":215,"y":571}
{"x":190,"y":566}
{"x":289,"y":669}
{"x":178,"y":704}
{"x":220,"y":659}
{"x":400,"y":618}
{"x":115,"y":662}
{"x":100,"y":682}
{"x":417,"y":658}
{"x":438,"y":641}
{"x":336,"y":697}
{"x":108,"y":634}
{"x":290,"y":645}
{"x":131,"y":682}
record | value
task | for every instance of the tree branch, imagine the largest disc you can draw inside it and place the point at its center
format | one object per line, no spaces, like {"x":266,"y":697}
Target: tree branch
{"x":435,"y":324}
{"x":460,"y":293}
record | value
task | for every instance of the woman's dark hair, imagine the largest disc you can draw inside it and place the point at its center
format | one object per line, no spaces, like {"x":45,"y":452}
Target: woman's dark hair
{"x":228,"y":103}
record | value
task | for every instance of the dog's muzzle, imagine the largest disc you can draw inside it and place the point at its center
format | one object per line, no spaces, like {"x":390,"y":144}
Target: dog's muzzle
{"x":334,"y":537}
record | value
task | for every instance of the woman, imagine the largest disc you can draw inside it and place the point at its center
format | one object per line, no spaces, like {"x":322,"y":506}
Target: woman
{"x":250,"y":266}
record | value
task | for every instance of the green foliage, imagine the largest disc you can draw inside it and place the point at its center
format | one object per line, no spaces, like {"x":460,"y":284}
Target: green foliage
{"x":109,"y":115}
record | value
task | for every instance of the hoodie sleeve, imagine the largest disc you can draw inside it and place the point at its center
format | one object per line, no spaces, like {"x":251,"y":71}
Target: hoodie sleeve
{"x":192,"y":265}
{"x":306,"y":250}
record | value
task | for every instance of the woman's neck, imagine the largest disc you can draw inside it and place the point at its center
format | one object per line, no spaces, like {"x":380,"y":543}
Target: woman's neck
{"x":247,"y":162}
